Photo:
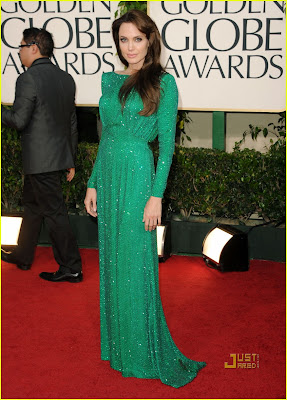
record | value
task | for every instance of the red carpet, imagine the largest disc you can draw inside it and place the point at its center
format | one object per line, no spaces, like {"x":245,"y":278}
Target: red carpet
{"x":51,"y":337}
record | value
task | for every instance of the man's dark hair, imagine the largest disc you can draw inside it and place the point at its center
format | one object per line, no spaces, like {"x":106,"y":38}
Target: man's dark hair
{"x":42,"y":38}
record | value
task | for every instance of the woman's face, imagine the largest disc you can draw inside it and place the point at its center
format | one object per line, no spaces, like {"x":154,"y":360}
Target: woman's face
{"x":133,"y":45}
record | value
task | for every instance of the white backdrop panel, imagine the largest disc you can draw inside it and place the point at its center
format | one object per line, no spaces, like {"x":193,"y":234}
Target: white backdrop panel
{"x":83,"y":41}
{"x":225,"y":55}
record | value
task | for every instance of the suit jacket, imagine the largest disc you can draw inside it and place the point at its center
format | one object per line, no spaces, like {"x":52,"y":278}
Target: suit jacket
{"x":44,"y":113}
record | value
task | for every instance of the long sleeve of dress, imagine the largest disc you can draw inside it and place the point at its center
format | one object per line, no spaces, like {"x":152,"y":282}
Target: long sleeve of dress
{"x":166,"y":125}
{"x":92,"y":182}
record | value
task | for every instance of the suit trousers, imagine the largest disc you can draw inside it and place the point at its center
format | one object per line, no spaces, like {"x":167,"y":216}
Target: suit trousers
{"x":43,"y":200}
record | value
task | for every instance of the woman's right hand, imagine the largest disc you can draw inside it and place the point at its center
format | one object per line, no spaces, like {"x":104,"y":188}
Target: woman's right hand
{"x":91,"y":202}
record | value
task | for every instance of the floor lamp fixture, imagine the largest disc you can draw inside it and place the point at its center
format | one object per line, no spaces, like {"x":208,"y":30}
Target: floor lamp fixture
{"x":10,"y":228}
{"x":163,"y":235}
{"x":226,"y":248}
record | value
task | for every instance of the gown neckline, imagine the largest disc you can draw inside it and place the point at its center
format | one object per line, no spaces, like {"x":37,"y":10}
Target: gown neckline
{"x":121,"y":74}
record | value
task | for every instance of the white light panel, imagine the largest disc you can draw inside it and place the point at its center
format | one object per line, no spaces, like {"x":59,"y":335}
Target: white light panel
{"x":214,"y":243}
{"x":10,"y":228}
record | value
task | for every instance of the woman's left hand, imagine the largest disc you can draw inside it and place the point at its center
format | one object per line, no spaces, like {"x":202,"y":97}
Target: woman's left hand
{"x":152,"y":213}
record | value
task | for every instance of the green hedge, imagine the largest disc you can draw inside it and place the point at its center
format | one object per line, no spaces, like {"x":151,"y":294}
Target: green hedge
{"x":208,"y":182}
{"x":232,"y":185}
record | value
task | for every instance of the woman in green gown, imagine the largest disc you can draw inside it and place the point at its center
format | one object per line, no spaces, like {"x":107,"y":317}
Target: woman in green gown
{"x":125,"y":192}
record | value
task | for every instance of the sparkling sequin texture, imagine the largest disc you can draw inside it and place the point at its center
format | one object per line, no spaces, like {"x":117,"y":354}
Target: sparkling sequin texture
{"x":134,"y":334}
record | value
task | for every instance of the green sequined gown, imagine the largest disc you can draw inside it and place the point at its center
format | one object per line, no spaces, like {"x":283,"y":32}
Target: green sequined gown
{"x":134,"y":334}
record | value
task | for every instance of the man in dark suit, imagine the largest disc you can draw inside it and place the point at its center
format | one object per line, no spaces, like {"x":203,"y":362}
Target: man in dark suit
{"x":44,"y":113}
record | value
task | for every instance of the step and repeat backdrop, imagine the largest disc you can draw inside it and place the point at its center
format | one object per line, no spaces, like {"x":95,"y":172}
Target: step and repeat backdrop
{"x":224,"y":55}
{"x":82,"y":35}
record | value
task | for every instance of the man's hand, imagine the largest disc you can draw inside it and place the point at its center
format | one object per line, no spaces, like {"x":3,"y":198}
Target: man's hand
{"x":91,"y":202}
{"x":70,"y":174}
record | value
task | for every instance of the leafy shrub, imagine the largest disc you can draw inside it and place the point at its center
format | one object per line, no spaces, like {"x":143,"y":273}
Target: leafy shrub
{"x":125,"y":6}
{"x":75,"y":191}
{"x":11,"y":171}
{"x":232,"y":185}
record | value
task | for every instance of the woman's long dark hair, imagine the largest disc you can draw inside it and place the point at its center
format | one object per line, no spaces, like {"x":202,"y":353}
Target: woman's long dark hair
{"x":147,"y":80}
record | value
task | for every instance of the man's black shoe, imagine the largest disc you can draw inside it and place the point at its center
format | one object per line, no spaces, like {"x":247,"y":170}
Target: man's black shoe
{"x":24,"y":267}
{"x":8,"y":257}
{"x":59,"y":276}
